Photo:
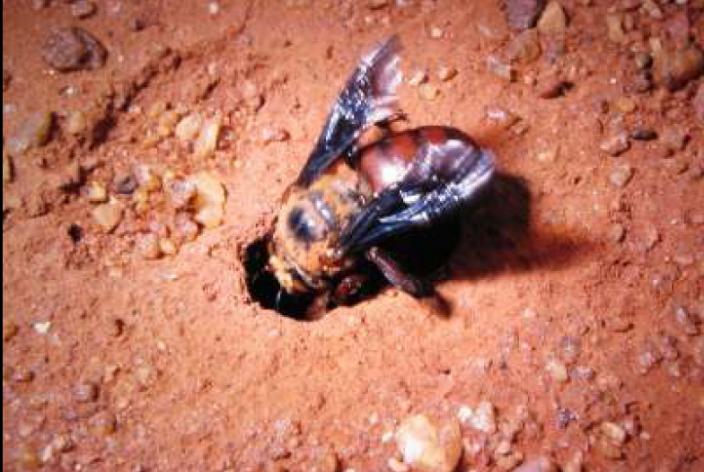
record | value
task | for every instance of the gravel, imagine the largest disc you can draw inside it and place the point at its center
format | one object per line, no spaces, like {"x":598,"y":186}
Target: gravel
{"x":522,"y":14}
{"x":73,"y":49}
{"x":33,"y":132}
{"x":553,"y":21}
{"x":429,"y":445}
{"x":621,"y":175}
{"x":616,"y":144}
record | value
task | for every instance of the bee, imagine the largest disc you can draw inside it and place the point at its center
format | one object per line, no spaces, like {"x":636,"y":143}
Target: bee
{"x":351,"y":197}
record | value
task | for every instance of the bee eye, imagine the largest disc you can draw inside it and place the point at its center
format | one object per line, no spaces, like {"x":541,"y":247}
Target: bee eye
{"x":303,"y":227}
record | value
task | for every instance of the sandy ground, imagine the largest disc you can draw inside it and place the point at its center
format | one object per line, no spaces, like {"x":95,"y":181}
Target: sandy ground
{"x":577,"y":290}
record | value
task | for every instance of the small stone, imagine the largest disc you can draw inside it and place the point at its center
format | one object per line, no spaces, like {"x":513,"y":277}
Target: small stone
{"x":124,"y":184}
{"x":674,"y":138}
{"x":417,"y":77}
{"x":76,"y":122}
{"x":503,"y":117}
{"x":34,"y":132}
{"x":484,"y":418}
{"x":436,"y":32}
{"x":643,"y":134}
{"x":96,"y":192}
{"x":42,"y":327}
{"x":146,"y":178}
{"x":652,"y":9}
{"x":148,"y":246}
{"x":446,"y":73}
{"x":108,"y":215}
{"x":213,"y":8}
{"x":428,"y":91}
{"x":624,"y":105}
{"x":83,"y":9}
{"x":553,"y":21}
{"x":621,"y":175}
{"x":524,"y":48}
{"x":651,"y":238}
{"x":616,"y":233}
{"x":85,"y":392}
{"x":608,"y":449}
{"x":615,"y":145}
{"x":103,"y":424}
{"x":553,"y":88}
{"x":547,"y":156}
{"x":274,"y":134}
{"x":185,"y":229}
{"x":72,"y":49}
{"x":429,"y":446}
{"x":209,"y":200}
{"x":643,"y":60}
{"x":499,"y":68}
{"x":181,"y":192}
{"x":167,"y":123}
{"x":614,"y":432}
{"x":614,"y":25}
{"x":540,"y":464}
{"x":522,"y":14}
{"x":676,"y":68}
{"x":167,"y":247}
{"x":557,"y":370}
{"x":207,"y":140}
{"x":686,"y":321}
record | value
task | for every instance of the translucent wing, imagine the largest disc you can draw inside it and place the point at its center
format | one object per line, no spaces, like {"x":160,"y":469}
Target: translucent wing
{"x":369,"y":97}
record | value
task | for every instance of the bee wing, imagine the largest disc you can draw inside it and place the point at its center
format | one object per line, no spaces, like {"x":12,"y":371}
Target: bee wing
{"x":422,"y":196}
{"x":369,"y":97}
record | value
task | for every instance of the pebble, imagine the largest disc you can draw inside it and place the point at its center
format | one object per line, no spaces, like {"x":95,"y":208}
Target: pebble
{"x":499,"y":68}
{"x":522,"y":14}
{"x":185,"y":229}
{"x":525,"y":47}
{"x":484,"y":418}
{"x":428,"y":91}
{"x":76,"y":122}
{"x":674,"y":138}
{"x":621,"y":175}
{"x":607,"y":449}
{"x":643,"y":60}
{"x":83,"y":9}
{"x":72,"y":49}
{"x":148,"y":246}
{"x":643,"y":134}
{"x":181,"y":192}
{"x":207,"y":141}
{"x":540,"y":464}
{"x":614,"y":432}
{"x":42,"y":327}
{"x":652,"y":8}
{"x":103,"y":424}
{"x":624,"y":105}
{"x":614,"y":26}
{"x":417,"y":77}
{"x":651,"y":238}
{"x":553,"y":21}
{"x":557,"y":370}
{"x":686,"y":321}
{"x":167,"y":247}
{"x":96,"y":192}
{"x":273,"y":134}
{"x":446,"y":73}
{"x":86,"y":392}
{"x":616,"y":233}
{"x":209,"y":200}
{"x":108,"y":215}
{"x":146,"y":178}
{"x":553,"y":88}
{"x":436,"y":32}
{"x":427,"y":445}
{"x":676,"y":68}
{"x":124,"y":184}
{"x":34,"y":132}
{"x":547,"y":156}
{"x":616,"y":144}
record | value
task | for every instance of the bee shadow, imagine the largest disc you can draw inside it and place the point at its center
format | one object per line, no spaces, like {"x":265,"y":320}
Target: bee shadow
{"x":497,"y":236}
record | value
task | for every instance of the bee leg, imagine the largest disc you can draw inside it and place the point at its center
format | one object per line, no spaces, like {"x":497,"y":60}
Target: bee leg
{"x":394,"y":273}
{"x":350,"y":289}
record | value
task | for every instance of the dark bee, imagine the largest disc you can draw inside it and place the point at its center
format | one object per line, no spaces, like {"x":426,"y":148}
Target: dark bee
{"x":351,"y":198}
